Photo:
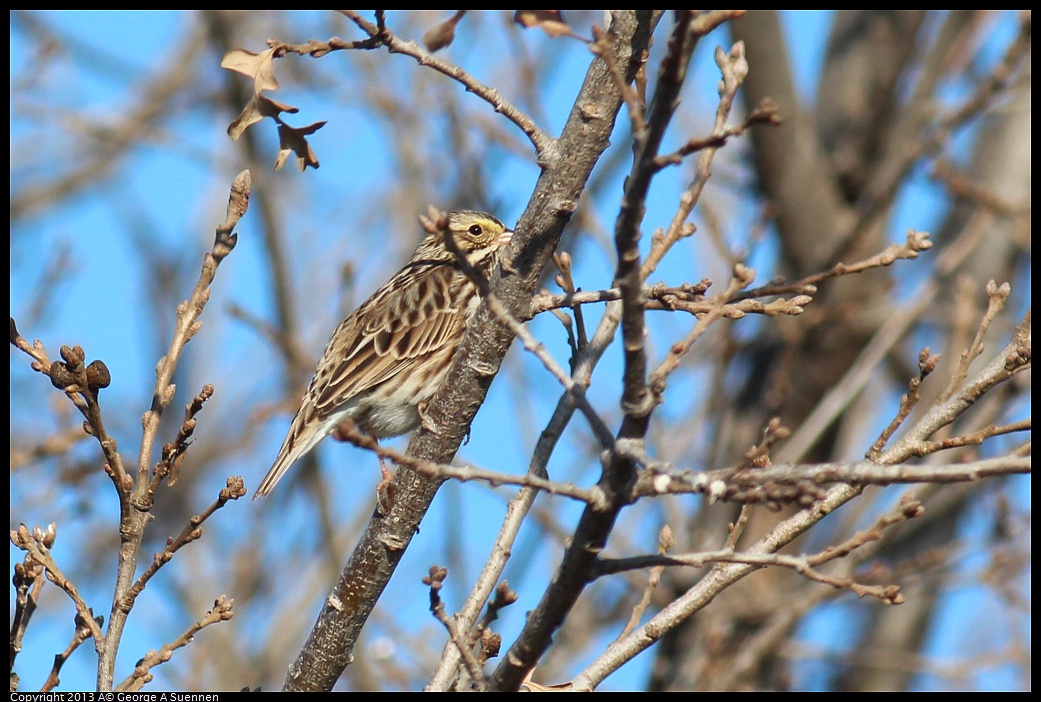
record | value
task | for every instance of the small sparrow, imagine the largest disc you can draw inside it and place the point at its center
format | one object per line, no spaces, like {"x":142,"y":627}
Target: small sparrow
{"x":387,"y":358}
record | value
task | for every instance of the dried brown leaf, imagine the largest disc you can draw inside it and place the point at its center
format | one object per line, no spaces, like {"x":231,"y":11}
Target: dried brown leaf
{"x":291,"y":140}
{"x":255,"y":110}
{"x":442,"y":34}
{"x":550,"y":21}
{"x":260,"y":67}
{"x":269,"y":107}
{"x":250,"y":115}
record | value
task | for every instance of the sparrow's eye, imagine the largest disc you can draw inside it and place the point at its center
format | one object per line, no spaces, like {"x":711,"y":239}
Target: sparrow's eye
{"x":475,"y":230}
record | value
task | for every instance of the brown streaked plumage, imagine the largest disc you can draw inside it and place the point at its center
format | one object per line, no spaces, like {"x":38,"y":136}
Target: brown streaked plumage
{"x":389,"y":355}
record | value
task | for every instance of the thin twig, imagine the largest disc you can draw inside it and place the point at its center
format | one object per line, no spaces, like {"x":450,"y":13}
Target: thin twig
{"x":437,"y":607}
{"x":766,"y":483}
{"x":890,"y":594}
{"x":349,"y":433}
{"x":545,"y":146}
{"x":222,"y":611}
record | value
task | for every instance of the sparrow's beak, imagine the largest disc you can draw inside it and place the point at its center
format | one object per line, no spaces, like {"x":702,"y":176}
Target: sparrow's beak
{"x":505,"y":237}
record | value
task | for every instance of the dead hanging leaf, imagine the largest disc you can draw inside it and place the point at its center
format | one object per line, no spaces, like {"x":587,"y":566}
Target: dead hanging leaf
{"x":550,"y":21}
{"x":272,"y":108}
{"x":443,"y":33}
{"x":291,"y":140}
{"x":250,"y":115}
{"x":259,"y":107}
{"x":260,"y":67}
